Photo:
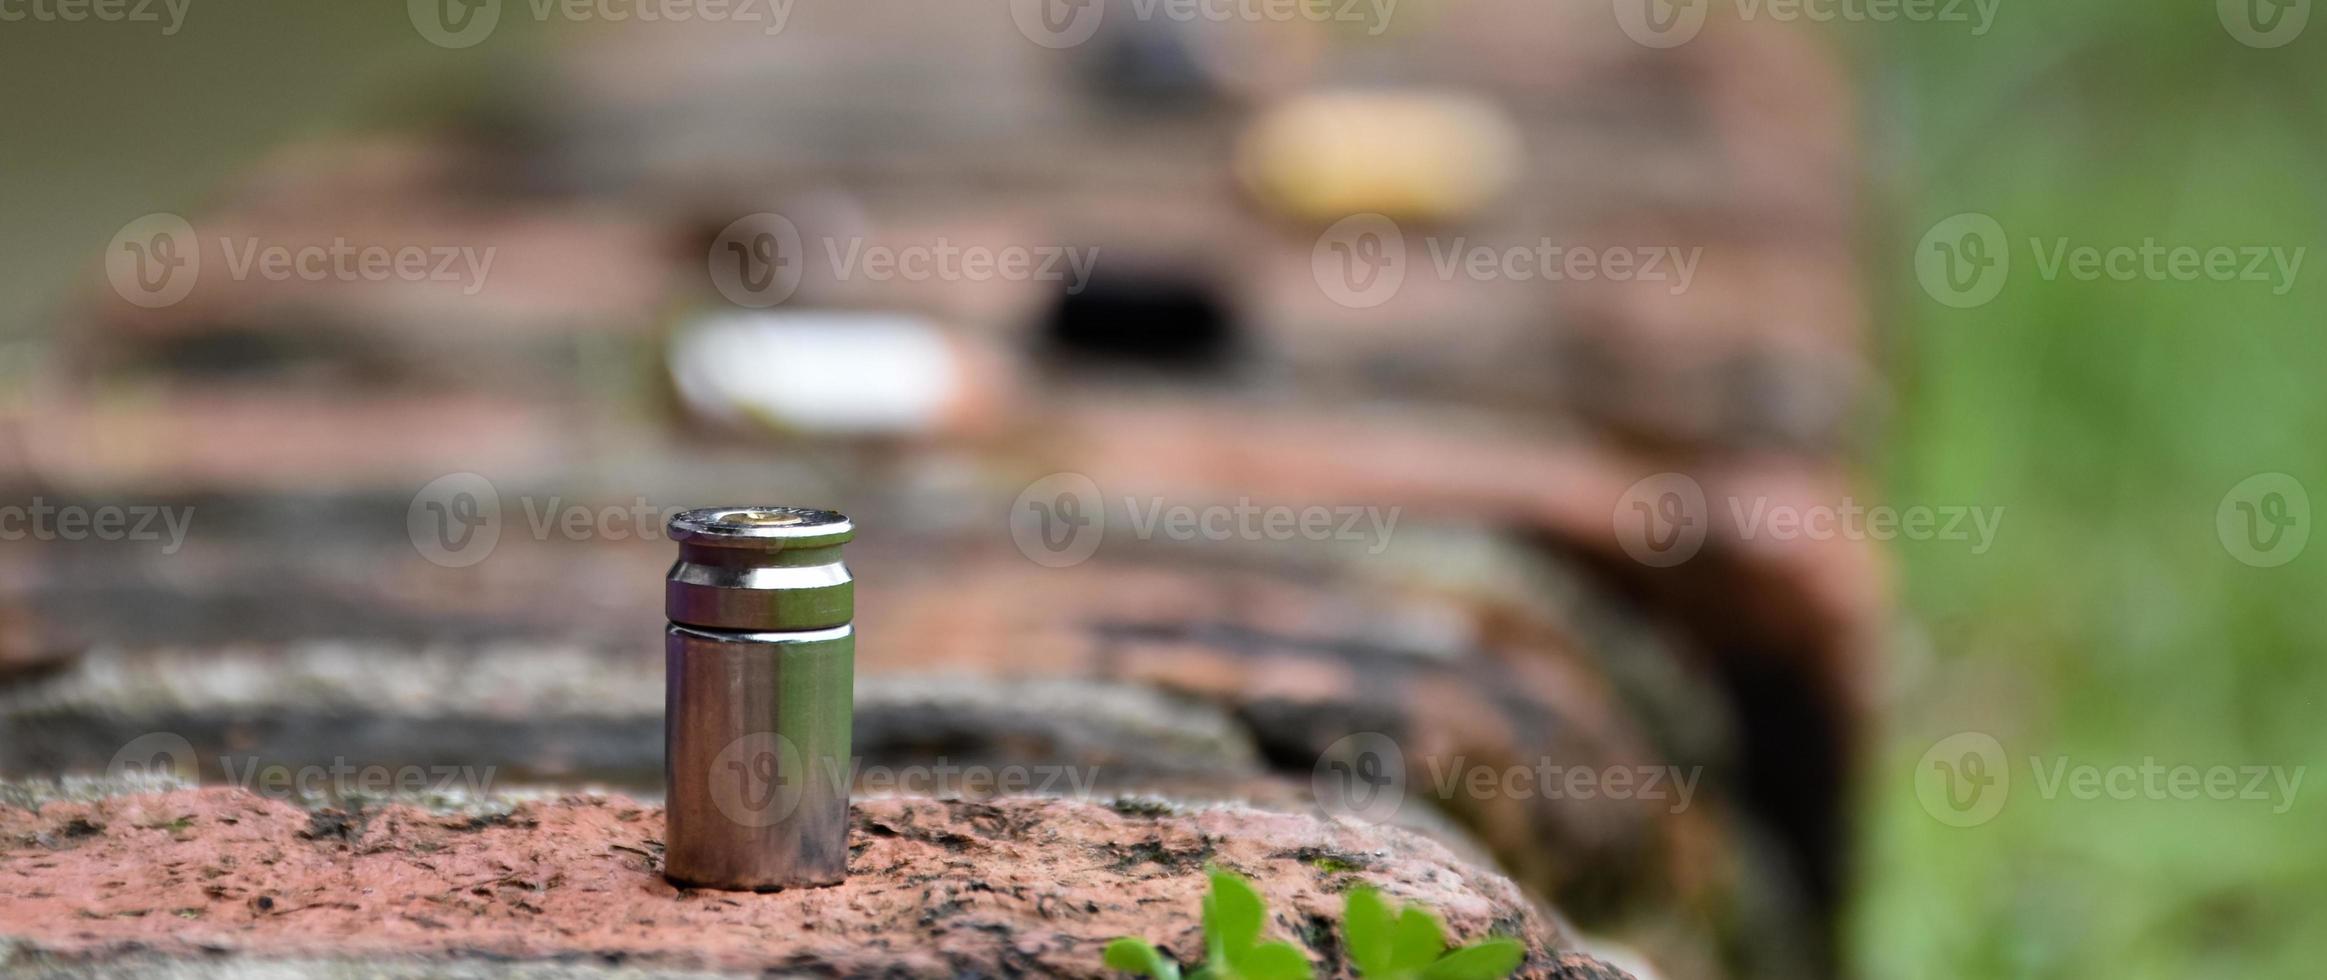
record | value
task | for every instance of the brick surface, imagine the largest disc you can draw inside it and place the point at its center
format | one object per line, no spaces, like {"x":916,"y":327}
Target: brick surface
{"x":935,"y":889}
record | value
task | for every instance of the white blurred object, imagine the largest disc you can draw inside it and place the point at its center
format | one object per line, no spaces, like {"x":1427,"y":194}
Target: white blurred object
{"x":818,"y":372}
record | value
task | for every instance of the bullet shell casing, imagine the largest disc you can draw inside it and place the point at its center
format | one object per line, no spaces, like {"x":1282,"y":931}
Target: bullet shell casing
{"x":759,"y":675}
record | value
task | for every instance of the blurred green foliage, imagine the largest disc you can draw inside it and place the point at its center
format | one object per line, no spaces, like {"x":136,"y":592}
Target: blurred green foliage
{"x":110,"y":120}
{"x":2110,"y":625}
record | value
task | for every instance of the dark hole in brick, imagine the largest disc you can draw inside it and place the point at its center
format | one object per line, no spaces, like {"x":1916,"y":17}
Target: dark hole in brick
{"x":1142,"y":320}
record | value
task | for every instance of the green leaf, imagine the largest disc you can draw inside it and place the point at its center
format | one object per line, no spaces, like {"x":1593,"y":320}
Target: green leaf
{"x":1417,"y":941}
{"x":1233,"y":914}
{"x":1133,"y":955}
{"x":1215,"y":946}
{"x":1492,"y":959}
{"x":1129,"y":955}
{"x":1365,"y":929}
{"x":1275,"y":961}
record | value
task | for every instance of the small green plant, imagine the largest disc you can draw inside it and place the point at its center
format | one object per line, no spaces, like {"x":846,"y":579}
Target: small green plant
{"x":1384,"y":944}
{"x":1410,"y":944}
{"x":1233,"y":914}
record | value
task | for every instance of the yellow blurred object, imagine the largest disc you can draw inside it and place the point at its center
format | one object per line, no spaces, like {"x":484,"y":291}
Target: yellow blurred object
{"x":1410,"y":155}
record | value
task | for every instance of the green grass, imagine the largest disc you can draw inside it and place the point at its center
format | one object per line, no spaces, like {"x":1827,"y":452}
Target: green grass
{"x":2109,"y":624}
